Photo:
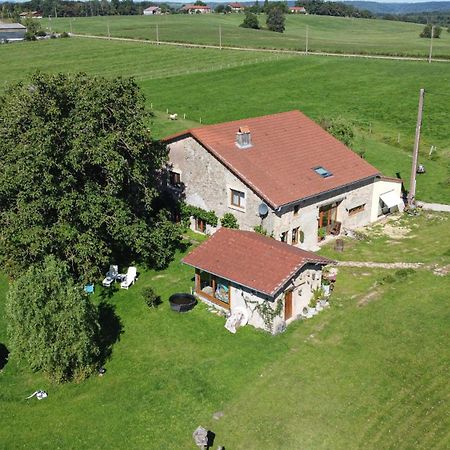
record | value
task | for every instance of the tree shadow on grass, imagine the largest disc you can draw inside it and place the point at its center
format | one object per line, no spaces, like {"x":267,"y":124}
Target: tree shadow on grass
{"x":4,"y":353}
{"x":107,"y":293}
{"x":110,"y":330}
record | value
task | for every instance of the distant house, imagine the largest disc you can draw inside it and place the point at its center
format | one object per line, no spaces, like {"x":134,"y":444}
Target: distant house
{"x":243,"y":272}
{"x":152,"y":11}
{"x":297,"y":10}
{"x":196,"y":9}
{"x":12,"y":32}
{"x":31,"y":14}
{"x":282,"y":173}
{"x":236,"y":7}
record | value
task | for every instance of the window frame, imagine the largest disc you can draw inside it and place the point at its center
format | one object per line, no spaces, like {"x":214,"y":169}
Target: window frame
{"x":322,"y":172}
{"x":356,"y":210}
{"x":199,"y":225}
{"x":241,"y":196}
{"x":295,"y":235}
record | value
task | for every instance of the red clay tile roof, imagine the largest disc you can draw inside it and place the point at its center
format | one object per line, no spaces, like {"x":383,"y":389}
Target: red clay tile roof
{"x":195,"y":7}
{"x":250,"y":259}
{"x":286,"y":148}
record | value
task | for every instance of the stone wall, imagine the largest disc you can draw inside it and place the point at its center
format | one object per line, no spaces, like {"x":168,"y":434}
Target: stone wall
{"x":208,"y":184}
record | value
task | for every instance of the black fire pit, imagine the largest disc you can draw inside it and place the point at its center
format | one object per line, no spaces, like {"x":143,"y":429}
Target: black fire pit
{"x":182,"y":302}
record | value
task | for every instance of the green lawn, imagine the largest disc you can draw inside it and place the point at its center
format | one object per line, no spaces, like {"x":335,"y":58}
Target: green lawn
{"x":424,"y":238}
{"x":369,"y":372}
{"x":335,"y":34}
{"x":379,"y":97}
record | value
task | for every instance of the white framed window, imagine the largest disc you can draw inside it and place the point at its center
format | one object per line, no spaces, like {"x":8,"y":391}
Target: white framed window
{"x":237,"y":199}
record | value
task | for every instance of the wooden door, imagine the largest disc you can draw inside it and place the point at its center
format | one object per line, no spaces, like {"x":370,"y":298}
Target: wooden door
{"x":287,"y":305}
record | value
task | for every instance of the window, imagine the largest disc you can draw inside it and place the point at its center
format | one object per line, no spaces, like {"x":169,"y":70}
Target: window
{"x":214,"y":288}
{"x":296,"y":210}
{"x":295,"y":233}
{"x":324,"y":173}
{"x":174,"y":179}
{"x":356,"y":209}
{"x":200,"y":225}
{"x":237,"y":199}
{"x":283,"y":237}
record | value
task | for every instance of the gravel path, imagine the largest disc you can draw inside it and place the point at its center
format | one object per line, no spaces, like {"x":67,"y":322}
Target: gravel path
{"x":397,"y":265}
{"x":434,"y":206}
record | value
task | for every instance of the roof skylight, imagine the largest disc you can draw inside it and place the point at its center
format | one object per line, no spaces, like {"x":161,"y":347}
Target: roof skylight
{"x":324,"y":173}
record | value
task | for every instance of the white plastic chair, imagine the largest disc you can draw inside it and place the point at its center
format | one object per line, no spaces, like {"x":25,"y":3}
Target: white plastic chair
{"x":130,"y":278}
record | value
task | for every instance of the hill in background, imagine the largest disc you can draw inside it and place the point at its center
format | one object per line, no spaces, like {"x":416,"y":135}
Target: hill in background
{"x":400,"y":8}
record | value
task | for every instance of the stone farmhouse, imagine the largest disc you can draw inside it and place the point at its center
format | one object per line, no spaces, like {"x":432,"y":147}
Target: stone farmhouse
{"x":236,"y":7}
{"x":232,"y":273}
{"x":297,"y":10}
{"x":196,"y":9}
{"x":152,"y":11}
{"x":282,"y":173}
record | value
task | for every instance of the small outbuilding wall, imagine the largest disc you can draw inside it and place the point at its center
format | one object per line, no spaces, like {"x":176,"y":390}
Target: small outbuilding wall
{"x":241,"y":298}
{"x":381,"y":187}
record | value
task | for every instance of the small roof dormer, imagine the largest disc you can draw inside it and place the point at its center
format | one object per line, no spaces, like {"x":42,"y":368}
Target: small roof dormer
{"x":244,"y":137}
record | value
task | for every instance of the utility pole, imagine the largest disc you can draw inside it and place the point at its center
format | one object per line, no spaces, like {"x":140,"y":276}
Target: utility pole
{"x":71,"y":31}
{"x":50,"y":23}
{"x":306,"y":46}
{"x":107,"y":27}
{"x":157,"y":34}
{"x":220,"y":37}
{"x":56,"y":14}
{"x":412,"y":185}
{"x":431,"y":44}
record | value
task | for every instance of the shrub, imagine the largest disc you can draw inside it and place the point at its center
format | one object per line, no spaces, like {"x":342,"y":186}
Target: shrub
{"x":152,"y":300}
{"x":338,"y":127}
{"x":250,"y":21}
{"x":64,"y":35}
{"x":260,"y":229}
{"x":29,"y":36}
{"x":229,"y":221}
{"x":41,"y":33}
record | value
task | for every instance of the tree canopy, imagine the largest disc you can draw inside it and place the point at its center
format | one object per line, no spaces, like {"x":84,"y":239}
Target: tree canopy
{"x":250,"y":21}
{"x":275,"y":20}
{"x":52,"y":325}
{"x":79,"y":175}
{"x":429,"y":30}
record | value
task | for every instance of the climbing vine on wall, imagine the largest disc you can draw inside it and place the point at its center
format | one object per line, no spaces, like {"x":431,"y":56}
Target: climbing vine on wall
{"x":266,"y":312}
{"x":188,"y":211}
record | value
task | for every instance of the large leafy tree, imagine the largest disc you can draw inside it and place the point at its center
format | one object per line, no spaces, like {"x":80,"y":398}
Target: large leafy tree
{"x":79,"y":175}
{"x":52,"y":324}
{"x":275,"y":20}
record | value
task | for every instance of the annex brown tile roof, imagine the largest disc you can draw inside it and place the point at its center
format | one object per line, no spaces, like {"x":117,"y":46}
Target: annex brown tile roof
{"x":286,"y":147}
{"x":250,"y":259}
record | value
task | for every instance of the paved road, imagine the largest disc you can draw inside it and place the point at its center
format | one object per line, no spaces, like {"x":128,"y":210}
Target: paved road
{"x":262,"y":50}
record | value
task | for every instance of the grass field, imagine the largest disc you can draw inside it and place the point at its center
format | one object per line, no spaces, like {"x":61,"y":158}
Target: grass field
{"x":369,"y":372}
{"x":379,"y":97}
{"x":334,"y":34}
